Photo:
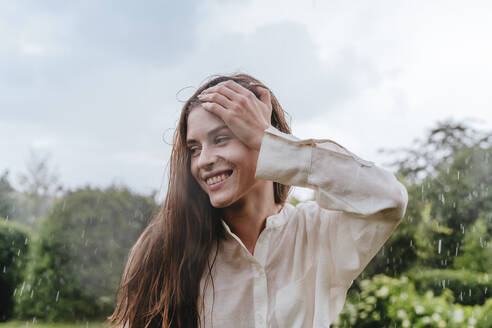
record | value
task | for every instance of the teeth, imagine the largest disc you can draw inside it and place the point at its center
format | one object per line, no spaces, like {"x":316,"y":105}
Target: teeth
{"x":217,"y":178}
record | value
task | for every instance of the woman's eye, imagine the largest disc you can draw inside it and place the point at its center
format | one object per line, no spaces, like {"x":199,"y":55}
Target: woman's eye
{"x":221,"y":139}
{"x":193,"y":150}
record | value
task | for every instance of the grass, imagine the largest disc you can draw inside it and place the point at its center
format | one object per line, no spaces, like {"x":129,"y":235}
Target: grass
{"x":28,"y":324}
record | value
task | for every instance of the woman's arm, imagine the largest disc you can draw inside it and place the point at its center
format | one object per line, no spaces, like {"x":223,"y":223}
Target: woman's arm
{"x":342,"y":181}
{"x":360,"y":204}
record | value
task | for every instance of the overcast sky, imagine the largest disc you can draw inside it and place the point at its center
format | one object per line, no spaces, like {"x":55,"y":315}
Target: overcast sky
{"x":96,"y":84}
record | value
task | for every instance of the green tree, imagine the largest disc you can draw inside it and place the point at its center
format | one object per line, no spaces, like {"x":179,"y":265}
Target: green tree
{"x":14,"y":242}
{"x":452,"y":201}
{"x":448,"y":175}
{"x":79,"y":256}
{"x":422,"y":160}
{"x":40,"y":188}
{"x":7,"y":199}
{"x":476,"y":254}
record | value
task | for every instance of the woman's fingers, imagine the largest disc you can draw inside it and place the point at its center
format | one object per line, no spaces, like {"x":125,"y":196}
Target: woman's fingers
{"x":224,"y":91}
{"x":265,"y":96}
{"x":216,"y":109}
{"x":216,"y":98}
{"x":242,"y":111}
{"x":232,"y":90}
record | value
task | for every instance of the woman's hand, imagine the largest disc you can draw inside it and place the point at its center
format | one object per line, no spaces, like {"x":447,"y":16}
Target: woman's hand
{"x":247,"y":116}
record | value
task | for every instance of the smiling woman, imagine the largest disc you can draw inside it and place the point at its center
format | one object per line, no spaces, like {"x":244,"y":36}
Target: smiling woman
{"x":226,"y":250}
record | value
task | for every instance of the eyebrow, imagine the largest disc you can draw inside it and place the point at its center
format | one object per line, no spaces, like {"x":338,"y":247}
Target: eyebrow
{"x":209,"y":133}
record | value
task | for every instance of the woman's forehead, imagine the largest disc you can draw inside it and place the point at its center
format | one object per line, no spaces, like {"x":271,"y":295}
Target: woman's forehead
{"x":201,"y":122}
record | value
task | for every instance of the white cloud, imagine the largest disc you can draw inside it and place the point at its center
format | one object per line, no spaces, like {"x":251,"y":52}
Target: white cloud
{"x":96,"y":85}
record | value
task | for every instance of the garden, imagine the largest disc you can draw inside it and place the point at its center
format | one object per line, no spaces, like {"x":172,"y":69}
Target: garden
{"x":62,"y":252}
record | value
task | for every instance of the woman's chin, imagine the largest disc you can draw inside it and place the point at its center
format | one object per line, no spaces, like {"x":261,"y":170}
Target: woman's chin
{"x":219,"y":202}
{"x":222,"y":199}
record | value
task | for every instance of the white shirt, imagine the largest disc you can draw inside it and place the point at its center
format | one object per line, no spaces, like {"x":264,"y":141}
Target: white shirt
{"x":307,"y":256}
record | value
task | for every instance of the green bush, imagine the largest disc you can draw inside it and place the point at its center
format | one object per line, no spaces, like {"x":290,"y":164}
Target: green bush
{"x":14,"y":241}
{"x":390,"y":302}
{"x":469,"y":288}
{"x":49,"y":291}
{"x":78,"y":258}
{"x":477,"y":246}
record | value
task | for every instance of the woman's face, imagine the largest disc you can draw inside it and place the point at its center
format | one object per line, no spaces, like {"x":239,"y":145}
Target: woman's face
{"x":222,"y":165}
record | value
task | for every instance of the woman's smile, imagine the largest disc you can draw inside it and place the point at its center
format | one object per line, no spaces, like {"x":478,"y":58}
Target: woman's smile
{"x":217,"y":181}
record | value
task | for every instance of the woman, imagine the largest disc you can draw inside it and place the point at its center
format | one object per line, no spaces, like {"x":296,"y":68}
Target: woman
{"x":226,"y":250}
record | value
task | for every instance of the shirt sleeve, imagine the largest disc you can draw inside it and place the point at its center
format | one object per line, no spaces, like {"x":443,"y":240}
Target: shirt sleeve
{"x":369,"y":200}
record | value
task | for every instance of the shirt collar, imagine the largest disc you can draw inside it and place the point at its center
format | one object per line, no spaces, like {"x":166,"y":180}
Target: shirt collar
{"x":273,"y":221}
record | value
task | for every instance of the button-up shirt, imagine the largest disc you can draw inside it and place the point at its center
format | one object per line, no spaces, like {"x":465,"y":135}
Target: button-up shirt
{"x":307,"y":256}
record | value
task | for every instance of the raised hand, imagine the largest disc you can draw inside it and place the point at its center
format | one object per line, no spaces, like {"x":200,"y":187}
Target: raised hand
{"x":246,"y":115}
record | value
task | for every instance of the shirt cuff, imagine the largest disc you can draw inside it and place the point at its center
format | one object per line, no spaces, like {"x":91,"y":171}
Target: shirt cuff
{"x":283,"y":159}
{"x":287,"y":159}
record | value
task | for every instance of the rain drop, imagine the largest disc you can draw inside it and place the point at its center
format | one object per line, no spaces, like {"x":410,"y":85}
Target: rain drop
{"x":57,"y":295}
{"x":439,"y":247}
{"x":22,"y":288}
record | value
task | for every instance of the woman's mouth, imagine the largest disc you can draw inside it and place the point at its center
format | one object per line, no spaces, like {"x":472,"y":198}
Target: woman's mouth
{"x":217,"y":181}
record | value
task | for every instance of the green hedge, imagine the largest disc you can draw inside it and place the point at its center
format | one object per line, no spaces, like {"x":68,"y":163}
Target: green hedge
{"x":14,"y":241}
{"x":78,"y":256}
{"x":469,"y":288}
{"x":390,"y":302}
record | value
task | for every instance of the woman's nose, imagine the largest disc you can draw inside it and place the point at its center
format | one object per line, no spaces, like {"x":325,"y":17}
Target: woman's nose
{"x":206,"y":158}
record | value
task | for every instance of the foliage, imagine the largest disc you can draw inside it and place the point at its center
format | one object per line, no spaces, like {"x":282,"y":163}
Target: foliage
{"x":390,"y":302}
{"x":36,"y":324}
{"x":469,"y":288}
{"x":460,"y":194}
{"x":438,"y":147}
{"x":477,"y":247}
{"x":293,"y":200}
{"x":78,"y":259}
{"x":447,"y":175}
{"x":429,"y":236}
{"x":40,"y":188}
{"x":14,"y":241}
{"x":7,"y":199}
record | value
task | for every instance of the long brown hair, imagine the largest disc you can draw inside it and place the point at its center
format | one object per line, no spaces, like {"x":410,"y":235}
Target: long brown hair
{"x":160,"y":286}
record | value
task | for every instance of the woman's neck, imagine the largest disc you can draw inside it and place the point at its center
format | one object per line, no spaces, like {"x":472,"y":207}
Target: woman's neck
{"x":247,"y":217}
